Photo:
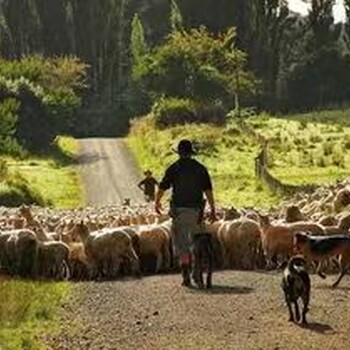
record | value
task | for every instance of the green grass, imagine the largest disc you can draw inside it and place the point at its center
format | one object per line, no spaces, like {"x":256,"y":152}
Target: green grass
{"x":307,"y":148}
{"x":52,"y":175}
{"x":28,"y":309}
{"x":228,"y":155}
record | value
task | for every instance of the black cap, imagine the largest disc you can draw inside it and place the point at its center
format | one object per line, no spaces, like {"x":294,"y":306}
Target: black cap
{"x":185,"y":148}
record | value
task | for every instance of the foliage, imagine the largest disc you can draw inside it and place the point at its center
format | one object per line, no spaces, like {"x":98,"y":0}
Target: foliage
{"x":304,"y":149}
{"x":138,"y":43}
{"x":228,"y":154}
{"x":16,"y":190}
{"x":174,"y":111}
{"x":176,"y":22}
{"x":49,"y":180}
{"x":26,"y":310}
{"x":46,"y":94}
{"x":8,"y":121}
{"x":197,"y":65}
{"x":319,"y":81}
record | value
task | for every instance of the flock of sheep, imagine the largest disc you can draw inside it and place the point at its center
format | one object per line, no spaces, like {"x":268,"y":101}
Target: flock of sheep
{"x":105,"y":243}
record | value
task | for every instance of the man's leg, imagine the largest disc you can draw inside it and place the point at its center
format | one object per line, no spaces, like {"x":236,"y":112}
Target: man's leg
{"x":185,"y":263}
{"x":185,"y":225}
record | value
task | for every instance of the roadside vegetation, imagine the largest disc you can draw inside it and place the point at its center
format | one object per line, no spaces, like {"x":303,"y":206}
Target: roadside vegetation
{"x":307,"y":148}
{"x":49,"y":179}
{"x":228,"y":154}
{"x":28,"y":309}
{"x":304,"y":149}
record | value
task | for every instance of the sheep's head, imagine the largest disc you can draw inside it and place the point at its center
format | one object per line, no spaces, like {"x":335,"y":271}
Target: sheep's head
{"x":25,"y":211}
{"x":264,"y":221}
{"x":82,"y":230}
{"x":293,"y":214}
{"x":344,"y":223}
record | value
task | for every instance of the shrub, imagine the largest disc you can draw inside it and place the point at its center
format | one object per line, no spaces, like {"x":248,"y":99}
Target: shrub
{"x":175,"y":111}
{"x":3,"y":170}
{"x":15,"y":191}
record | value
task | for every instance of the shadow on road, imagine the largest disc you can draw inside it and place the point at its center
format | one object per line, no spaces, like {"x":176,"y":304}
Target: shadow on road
{"x":318,"y":327}
{"x":222,"y":289}
{"x":89,"y":158}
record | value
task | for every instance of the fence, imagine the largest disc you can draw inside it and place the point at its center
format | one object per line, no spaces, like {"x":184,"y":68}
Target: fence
{"x":261,"y":166}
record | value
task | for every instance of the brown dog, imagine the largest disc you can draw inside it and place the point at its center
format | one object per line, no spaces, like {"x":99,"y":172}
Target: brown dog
{"x":320,"y":248}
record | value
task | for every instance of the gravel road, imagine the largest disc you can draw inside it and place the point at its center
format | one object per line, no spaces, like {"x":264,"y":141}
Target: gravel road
{"x":244,"y":311}
{"x":109,"y":172}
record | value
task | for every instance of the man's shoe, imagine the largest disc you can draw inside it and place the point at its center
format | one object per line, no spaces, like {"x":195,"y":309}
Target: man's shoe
{"x":185,"y":271}
{"x":186,"y":283}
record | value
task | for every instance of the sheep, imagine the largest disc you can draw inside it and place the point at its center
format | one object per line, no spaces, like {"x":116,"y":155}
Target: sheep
{"x":341,"y":200}
{"x":78,"y":262}
{"x":18,"y":252}
{"x":314,"y":228}
{"x":293,"y":214}
{"x":240,"y":240}
{"x":106,"y":249}
{"x":277,"y":240}
{"x":53,"y":260}
{"x":328,"y":220}
{"x":154,"y":242}
{"x":33,"y":224}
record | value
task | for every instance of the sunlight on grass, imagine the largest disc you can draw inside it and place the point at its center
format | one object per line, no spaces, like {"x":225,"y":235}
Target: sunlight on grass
{"x":28,"y":309}
{"x":304,"y":151}
{"x":228,"y":156}
{"x":53,"y":176}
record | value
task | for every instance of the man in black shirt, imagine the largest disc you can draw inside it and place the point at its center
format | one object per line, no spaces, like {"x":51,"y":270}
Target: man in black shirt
{"x":188,"y":179}
{"x":148,"y":186}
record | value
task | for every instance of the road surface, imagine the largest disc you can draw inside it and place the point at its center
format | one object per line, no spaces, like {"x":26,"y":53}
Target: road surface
{"x":109,"y":172}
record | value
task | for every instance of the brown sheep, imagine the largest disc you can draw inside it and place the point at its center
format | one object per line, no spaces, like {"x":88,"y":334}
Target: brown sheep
{"x":341,"y":200}
{"x":78,"y":262}
{"x":293,"y":214}
{"x":154,"y":242}
{"x":277,"y":240}
{"x":305,"y":226}
{"x":328,"y":220}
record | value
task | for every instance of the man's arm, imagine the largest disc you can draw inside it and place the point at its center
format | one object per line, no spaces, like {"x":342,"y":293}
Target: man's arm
{"x":210,"y":197}
{"x":140,"y":185}
{"x":158,"y":205}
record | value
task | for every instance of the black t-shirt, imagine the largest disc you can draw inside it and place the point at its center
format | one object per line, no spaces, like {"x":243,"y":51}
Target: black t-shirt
{"x":188,"y":179}
{"x":149,"y":184}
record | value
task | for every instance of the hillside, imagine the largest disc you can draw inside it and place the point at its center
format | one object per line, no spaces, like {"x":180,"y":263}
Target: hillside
{"x":303,"y":149}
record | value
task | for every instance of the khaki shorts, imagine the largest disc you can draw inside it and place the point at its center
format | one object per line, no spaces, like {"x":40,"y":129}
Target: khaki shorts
{"x":185,"y":225}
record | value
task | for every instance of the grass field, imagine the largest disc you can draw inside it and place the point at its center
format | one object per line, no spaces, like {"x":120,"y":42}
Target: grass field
{"x":28,"y":309}
{"x":304,"y":149}
{"x":52,"y":176}
{"x":228,"y":155}
{"x":308,"y":148}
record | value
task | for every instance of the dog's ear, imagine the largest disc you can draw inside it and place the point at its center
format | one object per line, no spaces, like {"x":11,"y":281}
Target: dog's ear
{"x":282,"y":265}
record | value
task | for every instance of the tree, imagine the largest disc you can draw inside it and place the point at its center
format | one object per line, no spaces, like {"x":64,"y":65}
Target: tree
{"x":197,"y":65}
{"x":176,"y":22}
{"x":138,"y":43}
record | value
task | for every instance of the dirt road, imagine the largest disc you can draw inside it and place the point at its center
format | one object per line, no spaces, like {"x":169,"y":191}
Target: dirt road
{"x":244,"y":311}
{"x":109,"y":172}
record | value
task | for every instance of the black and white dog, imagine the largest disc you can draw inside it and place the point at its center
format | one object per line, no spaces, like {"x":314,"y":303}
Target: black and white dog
{"x":296,"y":284}
{"x":203,"y":259}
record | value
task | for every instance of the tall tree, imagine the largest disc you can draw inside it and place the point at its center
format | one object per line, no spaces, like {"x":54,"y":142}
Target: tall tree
{"x":176,"y":21}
